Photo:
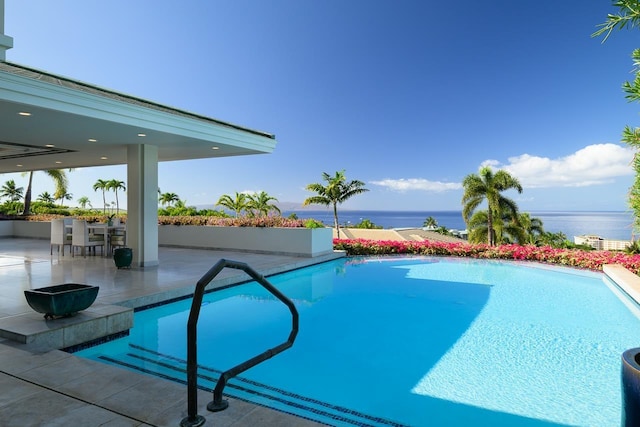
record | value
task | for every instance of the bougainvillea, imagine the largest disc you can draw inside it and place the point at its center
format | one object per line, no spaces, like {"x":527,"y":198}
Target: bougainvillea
{"x":592,"y":260}
{"x":261,"y":221}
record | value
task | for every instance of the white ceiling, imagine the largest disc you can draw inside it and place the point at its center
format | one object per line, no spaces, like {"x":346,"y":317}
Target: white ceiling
{"x":65,"y":115}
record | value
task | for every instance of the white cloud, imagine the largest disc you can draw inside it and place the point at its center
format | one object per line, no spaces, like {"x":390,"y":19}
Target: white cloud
{"x":593,"y":165}
{"x":492,"y":163}
{"x":417,"y":184}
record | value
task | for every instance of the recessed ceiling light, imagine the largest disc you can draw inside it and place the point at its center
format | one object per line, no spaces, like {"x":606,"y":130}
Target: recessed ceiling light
{"x":57,"y":163}
{"x":103,"y":158}
{"x":50,"y":145}
{"x":93,"y":140}
{"x":142,"y":134}
{"x":19,"y":166}
{"x":24,"y":113}
{"x":215,"y":148}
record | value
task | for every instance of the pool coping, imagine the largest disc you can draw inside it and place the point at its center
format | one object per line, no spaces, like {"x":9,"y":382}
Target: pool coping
{"x":97,"y":321}
{"x":624,"y":279}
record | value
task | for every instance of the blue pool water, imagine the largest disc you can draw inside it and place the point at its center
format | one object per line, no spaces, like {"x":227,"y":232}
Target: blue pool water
{"x":408,"y":341}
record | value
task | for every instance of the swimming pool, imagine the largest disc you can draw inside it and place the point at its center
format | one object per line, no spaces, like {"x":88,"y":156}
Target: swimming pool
{"x":408,"y":341}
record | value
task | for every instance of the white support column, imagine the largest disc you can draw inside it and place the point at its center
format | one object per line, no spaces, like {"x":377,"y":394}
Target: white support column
{"x":6,"y":42}
{"x":142,"y":204}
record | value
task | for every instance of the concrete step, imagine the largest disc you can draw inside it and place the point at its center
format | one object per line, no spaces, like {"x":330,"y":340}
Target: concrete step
{"x":95,"y":322}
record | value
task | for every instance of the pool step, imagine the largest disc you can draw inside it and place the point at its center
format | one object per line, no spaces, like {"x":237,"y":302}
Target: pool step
{"x":174,"y":369}
{"x":95,"y":322}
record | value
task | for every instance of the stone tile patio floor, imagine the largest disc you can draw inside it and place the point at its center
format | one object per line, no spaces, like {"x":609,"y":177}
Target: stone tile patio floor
{"x":41,"y":386}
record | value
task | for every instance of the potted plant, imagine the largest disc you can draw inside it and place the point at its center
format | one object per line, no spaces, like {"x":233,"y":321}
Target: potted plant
{"x":123,"y":257}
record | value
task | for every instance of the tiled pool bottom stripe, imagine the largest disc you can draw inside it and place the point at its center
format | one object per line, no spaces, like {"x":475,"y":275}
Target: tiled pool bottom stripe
{"x":174,"y":369}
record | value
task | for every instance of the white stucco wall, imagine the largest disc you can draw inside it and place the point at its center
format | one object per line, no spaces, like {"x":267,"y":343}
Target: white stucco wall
{"x":303,"y":242}
{"x":31,"y":229}
{"x":6,"y":228}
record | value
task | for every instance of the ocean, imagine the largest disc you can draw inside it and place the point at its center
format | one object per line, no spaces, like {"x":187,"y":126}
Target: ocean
{"x":609,"y":225}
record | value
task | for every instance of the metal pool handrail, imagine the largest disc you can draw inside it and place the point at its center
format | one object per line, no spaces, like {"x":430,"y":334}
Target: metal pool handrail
{"x":218,"y":404}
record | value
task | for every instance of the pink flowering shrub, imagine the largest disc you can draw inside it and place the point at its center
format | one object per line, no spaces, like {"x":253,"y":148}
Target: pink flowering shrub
{"x":592,"y":260}
{"x":263,"y":221}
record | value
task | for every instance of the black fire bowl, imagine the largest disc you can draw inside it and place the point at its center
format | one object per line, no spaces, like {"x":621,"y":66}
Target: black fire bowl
{"x":61,"y":300}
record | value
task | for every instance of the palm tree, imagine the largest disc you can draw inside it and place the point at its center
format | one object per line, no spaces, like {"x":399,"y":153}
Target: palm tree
{"x":259,"y":203}
{"x":116,"y":185}
{"x":478,"y":230}
{"x":531,"y":226}
{"x":83,"y":202}
{"x":489,"y":186}
{"x":168,"y":198}
{"x":522,"y":229}
{"x":62,"y":195}
{"x":59,"y":178}
{"x":237,"y":204}
{"x":628,"y":16}
{"x":557,"y":240}
{"x":102,"y":184}
{"x":443,"y":230}
{"x":11,"y":191}
{"x":337,"y":191}
{"x":506,"y":229}
{"x":45,"y":197}
{"x":430,"y":222}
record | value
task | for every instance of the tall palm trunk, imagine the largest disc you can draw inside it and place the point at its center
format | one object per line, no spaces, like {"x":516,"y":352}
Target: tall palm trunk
{"x":27,"y":196}
{"x":335,"y":218}
{"x":490,"y":231}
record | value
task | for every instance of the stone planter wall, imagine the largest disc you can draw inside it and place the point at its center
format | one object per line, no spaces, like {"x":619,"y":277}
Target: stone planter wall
{"x":30,"y":229}
{"x":6,"y":228}
{"x":304,"y":242}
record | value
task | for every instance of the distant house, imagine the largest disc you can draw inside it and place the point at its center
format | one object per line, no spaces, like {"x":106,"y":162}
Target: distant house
{"x":600,"y":243}
{"x":462,"y":234}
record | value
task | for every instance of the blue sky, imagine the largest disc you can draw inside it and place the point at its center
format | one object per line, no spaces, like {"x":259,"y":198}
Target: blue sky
{"x":406,"y":96}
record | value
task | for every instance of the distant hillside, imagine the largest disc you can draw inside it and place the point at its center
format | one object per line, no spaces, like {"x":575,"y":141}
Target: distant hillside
{"x":283,"y":206}
{"x":293,"y":206}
